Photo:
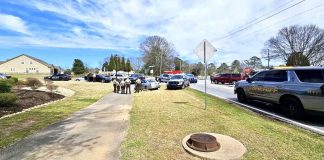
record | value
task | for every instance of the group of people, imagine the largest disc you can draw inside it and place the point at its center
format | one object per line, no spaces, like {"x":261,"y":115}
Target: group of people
{"x":123,"y":86}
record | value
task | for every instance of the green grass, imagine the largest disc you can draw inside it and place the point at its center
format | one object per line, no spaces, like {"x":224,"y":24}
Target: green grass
{"x":13,"y":129}
{"x":161,"y":119}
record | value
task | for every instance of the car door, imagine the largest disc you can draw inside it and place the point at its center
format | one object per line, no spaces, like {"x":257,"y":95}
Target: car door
{"x":274,"y":82}
{"x":254,"y":89}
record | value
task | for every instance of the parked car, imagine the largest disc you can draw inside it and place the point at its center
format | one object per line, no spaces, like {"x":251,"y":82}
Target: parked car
{"x":192,"y":78}
{"x":119,"y":76}
{"x":80,"y":79}
{"x":164,"y":78}
{"x":98,"y":78}
{"x":150,"y":84}
{"x":297,"y":90}
{"x":134,"y":77}
{"x":59,"y":77}
{"x":4,"y":76}
{"x":226,"y":78}
{"x":178,"y":81}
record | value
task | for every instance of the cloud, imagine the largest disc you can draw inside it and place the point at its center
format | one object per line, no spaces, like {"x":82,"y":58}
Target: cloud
{"x":13,"y":23}
{"x":123,"y":24}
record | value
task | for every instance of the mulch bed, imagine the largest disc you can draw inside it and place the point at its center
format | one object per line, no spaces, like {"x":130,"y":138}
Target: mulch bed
{"x":28,"y":99}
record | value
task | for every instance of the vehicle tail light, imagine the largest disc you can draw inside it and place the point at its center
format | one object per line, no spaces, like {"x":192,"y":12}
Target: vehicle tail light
{"x":322,"y":89}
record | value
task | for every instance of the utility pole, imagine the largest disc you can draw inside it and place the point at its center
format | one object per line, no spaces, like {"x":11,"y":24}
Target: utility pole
{"x":205,"y":61}
{"x":161,"y":64}
{"x":268,"y":58}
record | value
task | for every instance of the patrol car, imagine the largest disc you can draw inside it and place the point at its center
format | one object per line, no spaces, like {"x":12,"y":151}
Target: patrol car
{"x":297,"y":90}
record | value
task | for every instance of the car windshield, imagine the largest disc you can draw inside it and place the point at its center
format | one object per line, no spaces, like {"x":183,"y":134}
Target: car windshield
{"x":165,"y":75}
{"x":134,"y":75}
{"x":177,"y":77}
{"x":190,"y":75}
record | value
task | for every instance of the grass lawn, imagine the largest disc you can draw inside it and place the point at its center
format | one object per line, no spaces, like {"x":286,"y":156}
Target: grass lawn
{"x":14,"y":128}
{"x":161,"y":119}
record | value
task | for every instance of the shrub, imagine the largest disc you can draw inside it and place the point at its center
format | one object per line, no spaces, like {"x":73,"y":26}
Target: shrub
{"x":14,"y":79}
{"x":20,"y":84}
{"x":5,"y":87}
{"x":7,"y":99}
{"x":33,"y":83}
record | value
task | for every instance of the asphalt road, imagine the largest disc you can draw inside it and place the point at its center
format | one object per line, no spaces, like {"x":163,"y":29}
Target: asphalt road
{"x":312,"y":123}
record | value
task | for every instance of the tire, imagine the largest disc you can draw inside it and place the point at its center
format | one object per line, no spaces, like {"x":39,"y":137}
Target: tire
{"x":216,"y":82}
{"x":241,"y":97}
{"x":102,"y":81}
{"x":292,"y":107}
{"x":234,"y":82}
{"x":183,"y":86}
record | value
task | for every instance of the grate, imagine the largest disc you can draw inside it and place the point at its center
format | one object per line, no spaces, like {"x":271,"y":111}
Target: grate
{"x":203,"y":142}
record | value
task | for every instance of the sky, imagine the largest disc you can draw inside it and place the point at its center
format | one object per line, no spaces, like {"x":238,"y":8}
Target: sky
{"x":59,"y":31}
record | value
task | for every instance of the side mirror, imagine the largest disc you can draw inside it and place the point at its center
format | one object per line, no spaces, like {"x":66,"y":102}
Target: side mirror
{"x":249,"y":80}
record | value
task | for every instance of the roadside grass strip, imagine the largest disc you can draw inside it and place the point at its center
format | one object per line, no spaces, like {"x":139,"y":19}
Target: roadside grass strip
{"x":161,"y":119}
{"x":14,"y":128}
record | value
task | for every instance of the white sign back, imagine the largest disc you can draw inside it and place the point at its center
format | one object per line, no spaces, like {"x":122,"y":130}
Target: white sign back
{"x":205,"y":51}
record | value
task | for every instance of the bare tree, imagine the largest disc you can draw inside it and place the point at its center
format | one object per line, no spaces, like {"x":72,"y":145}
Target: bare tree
{"x":137,"y":63}
{"x":159,"y":52}
{"x":308,"y":40}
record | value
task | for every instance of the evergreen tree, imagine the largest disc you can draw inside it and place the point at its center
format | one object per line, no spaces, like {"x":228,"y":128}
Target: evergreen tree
{"x":78,"y":67}
{"x":123,"y":64}
{"x":111,"y":65}
{"x":128,"y":66}
{"x":105,"y":67}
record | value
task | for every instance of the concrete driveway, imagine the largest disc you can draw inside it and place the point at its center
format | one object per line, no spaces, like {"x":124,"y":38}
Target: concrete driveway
{"x":95,"y":132}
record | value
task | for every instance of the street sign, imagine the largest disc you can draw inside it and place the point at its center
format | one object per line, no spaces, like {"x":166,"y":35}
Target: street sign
{"x":205,"y":51}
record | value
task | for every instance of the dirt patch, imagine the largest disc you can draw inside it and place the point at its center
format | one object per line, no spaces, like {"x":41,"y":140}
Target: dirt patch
{"x":28,"y":99}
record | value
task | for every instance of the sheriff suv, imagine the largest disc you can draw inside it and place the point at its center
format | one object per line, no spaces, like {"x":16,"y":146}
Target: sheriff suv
{"x":296,"y":90}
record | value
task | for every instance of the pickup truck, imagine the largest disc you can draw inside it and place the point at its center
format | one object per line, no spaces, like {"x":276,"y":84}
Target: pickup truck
{"x":226,"y":78}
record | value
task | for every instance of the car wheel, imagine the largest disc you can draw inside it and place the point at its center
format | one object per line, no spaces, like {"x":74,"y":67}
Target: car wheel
{"x":234,"y":82}
{"x":241,"y":97}
{"x":216,"y":82}
{"x":292,"y":107}
{"x":102,"y":81}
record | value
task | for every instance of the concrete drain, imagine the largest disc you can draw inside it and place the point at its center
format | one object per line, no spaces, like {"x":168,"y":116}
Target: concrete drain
{"x":203,"y":142}
{"x":213,"y":146}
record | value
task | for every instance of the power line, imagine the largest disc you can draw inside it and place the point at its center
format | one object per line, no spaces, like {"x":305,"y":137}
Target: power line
{"x":259,"y":21}
{"x":294,"y":16}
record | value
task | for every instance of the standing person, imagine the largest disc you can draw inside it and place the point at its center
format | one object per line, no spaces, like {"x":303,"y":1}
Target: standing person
{"x":94,"y":77}
{"x":115,"y":85}
{"x":118,"y":86}
{"x":128,"y":86}
{"x":137,"y":85}
{"x":122,"y":85}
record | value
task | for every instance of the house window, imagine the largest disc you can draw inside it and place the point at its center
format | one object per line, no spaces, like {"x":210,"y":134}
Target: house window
{"x":22,"y":62}
{"x":12,"y":69}
{"x":31,"y":62}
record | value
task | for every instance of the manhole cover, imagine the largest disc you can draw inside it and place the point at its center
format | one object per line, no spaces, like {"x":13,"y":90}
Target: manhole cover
{"x":203,"y":142}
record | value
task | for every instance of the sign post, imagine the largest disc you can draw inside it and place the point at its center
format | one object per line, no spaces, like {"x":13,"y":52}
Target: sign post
{"x":205,"y":51}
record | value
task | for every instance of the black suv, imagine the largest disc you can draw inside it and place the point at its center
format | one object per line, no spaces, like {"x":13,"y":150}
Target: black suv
{"x":134,"y":77}
{"x":59,"y":77}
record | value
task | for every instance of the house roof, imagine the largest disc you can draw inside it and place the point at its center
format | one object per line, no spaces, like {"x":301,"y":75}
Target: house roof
{"x":33,"y":58}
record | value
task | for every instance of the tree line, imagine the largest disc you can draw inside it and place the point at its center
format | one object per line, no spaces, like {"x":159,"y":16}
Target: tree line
{"x":295,"y":45}
{"x":117,"y":63}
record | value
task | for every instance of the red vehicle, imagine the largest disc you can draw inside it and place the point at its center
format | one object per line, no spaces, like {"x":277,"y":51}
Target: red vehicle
{"x":226,"y":78}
